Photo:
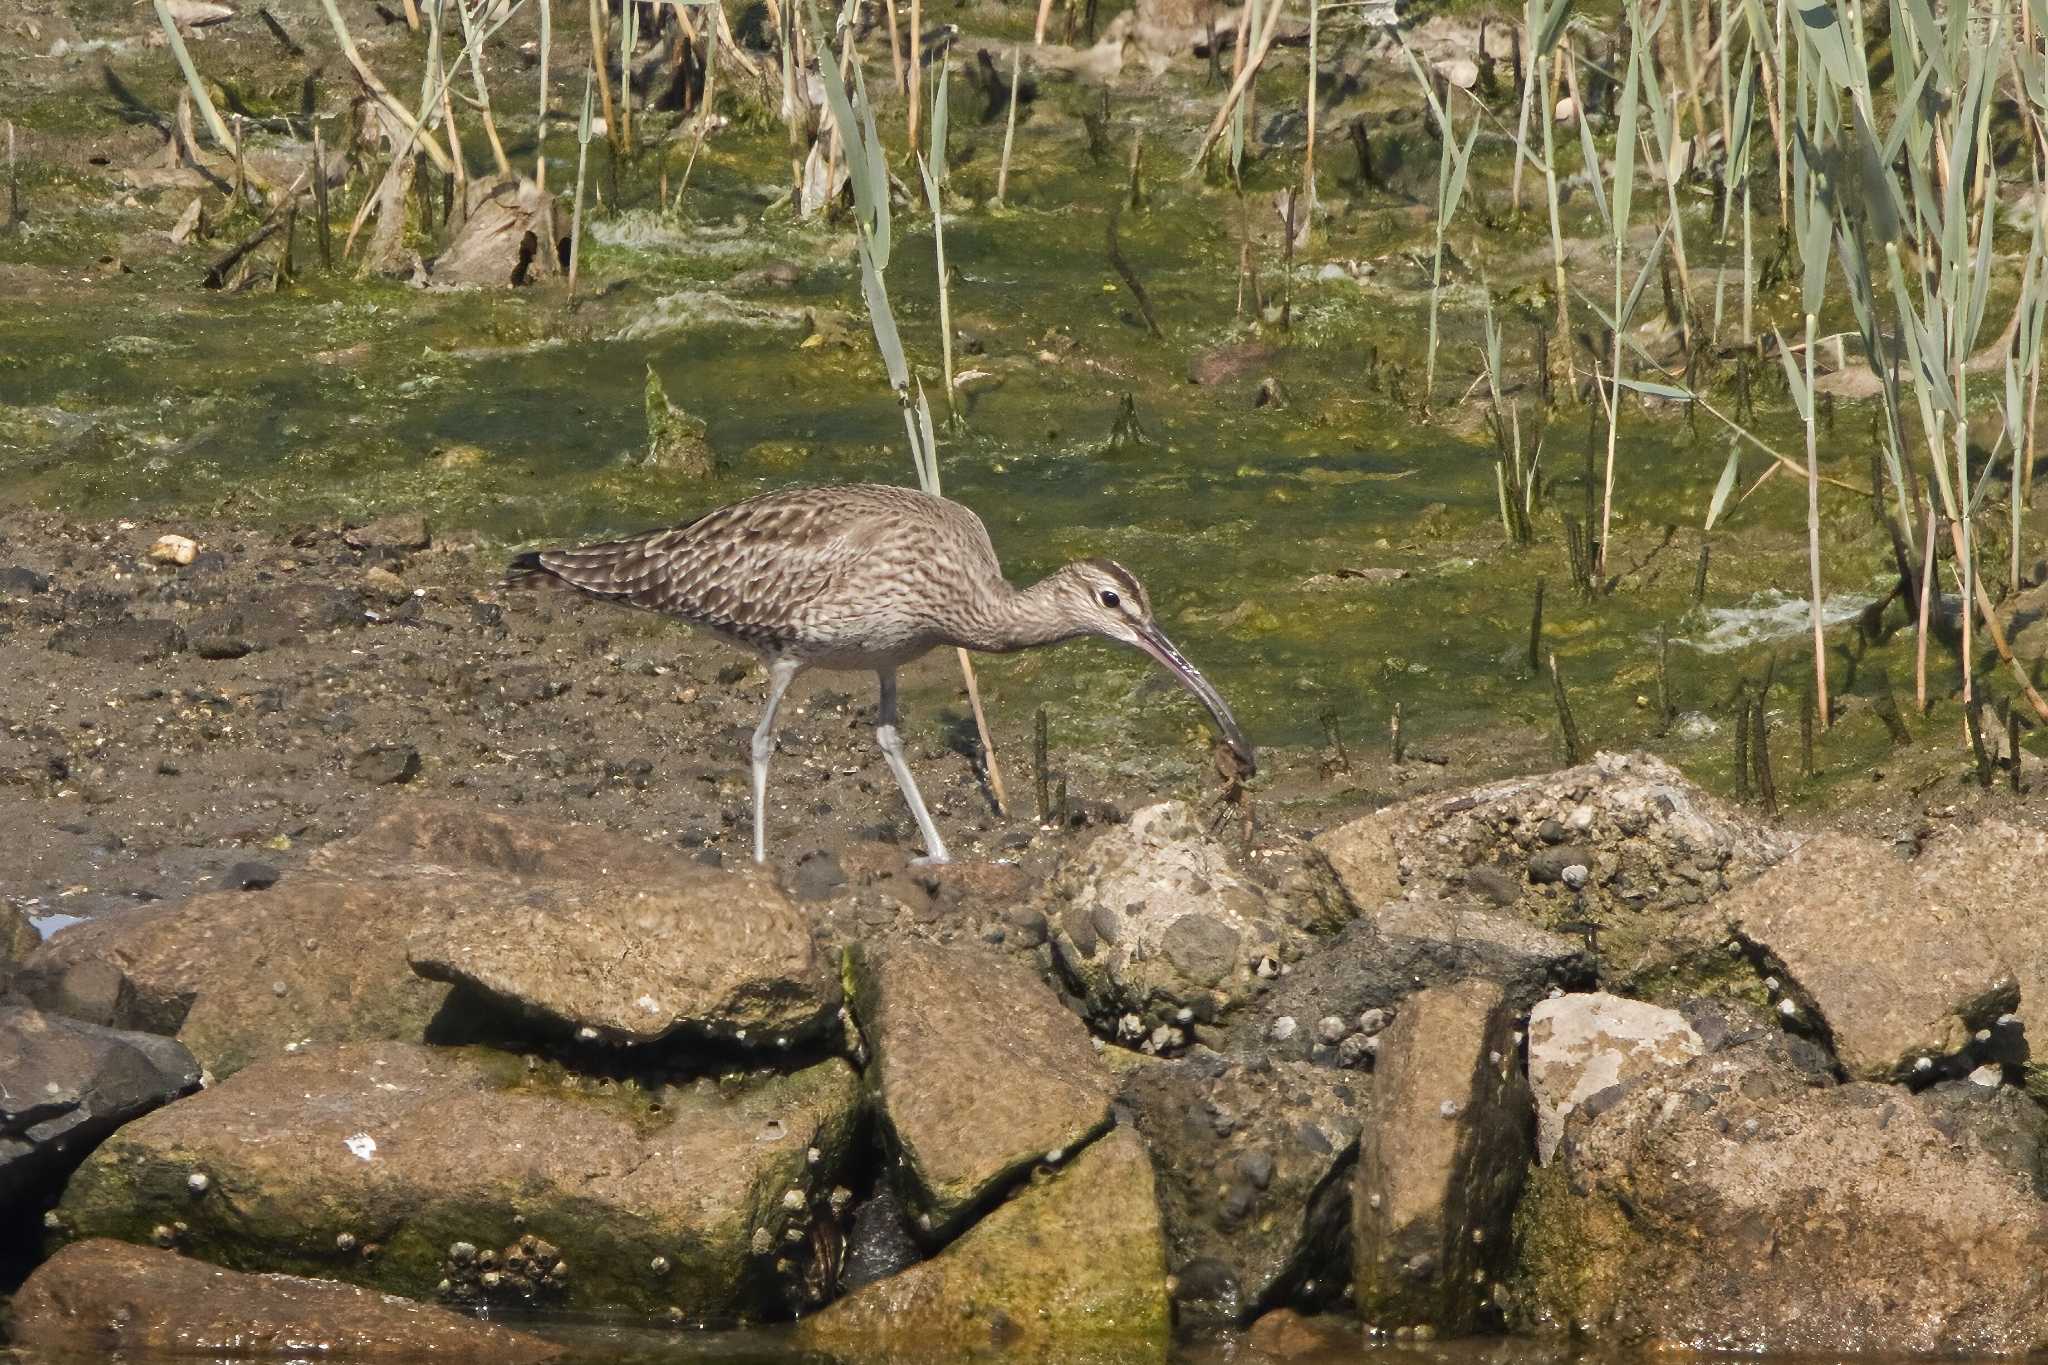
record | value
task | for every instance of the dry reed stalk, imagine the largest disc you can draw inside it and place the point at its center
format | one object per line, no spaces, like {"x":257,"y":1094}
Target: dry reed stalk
{"x":1239,"y":84}
{"x":540,"y":118}
{"x":421,"y":138}
{"x":916,"y":67}
{"x":598,"y":43}
{"x":474,"y":43}
{"x":704,"y":108}
{"x":895,"y":48}
{"x":1926,"y":615}
{"x":576,"y":214}
{"x":1038,"y":29}
{"x":1308,"y":167}
{"x":1010,"y":127}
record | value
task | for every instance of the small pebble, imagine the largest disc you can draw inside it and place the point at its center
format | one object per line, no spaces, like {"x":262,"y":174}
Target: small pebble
{"x":197,"y":1182}
{"x":174,"y":549}
{"x":1282,"y":1028}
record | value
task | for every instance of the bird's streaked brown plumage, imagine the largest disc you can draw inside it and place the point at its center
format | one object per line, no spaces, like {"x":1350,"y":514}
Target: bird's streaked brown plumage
{"x":859,"y":576}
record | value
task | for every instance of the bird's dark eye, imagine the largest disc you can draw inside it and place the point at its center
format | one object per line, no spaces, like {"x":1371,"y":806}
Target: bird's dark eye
{"x":1109,"y":599}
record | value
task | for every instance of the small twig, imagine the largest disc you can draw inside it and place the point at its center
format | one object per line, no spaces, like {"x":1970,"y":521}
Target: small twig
{"x":1574,"y":747}
{"x":320,"y":199}
{"x":1130,"y":278}
{"x":1041,"y":770}
{"x":217,"y":273}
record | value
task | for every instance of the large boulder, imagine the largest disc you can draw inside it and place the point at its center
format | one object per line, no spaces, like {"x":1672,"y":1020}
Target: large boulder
{"x":1918,"y":976}
{"x":1625,"y":842}
{"x":101,"y":1298}
{"x":468,"y":1172}
{"x":978,"y":1072}
{"x":241,"y":976}
{"x":1993,"y":873}
{"x":1582,"y":1046}
{"x":706,"y":954}
{"x":1157,"y":931}
{"x":1252,"y":1162}
{"x":1070,"y":1269}
{"x":1743,"y":1201}
{"x":1328,"y":1008}
{"x":66,"y":1085}
{"x":1441,"y":1162}
{"x":322,"y":956}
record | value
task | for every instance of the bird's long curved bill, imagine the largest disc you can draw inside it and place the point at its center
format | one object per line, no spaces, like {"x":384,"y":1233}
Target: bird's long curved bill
{"x":1154,"y":642}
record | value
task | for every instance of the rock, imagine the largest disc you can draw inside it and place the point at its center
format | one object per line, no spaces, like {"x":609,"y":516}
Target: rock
{"x":1227,"y":364}
{"x":126,"y":641}
{"x":1252,"y":1166}
{"x":103,"y":1297}
{"x":220,"y":635}
{"x":1150,"y":919}
{"x":313,"y":1157}
{"x":334,"y":935}
{"x":1072,"y":1267}
{"x":1461,"y":72}
{"x":1379,"y":961}
{"x":394,"y":536}
{"x":385,"y":764}
{"x":239,"y":977}
{"x":1441,"y":1162}
{"x":1922,"y":975}
{"x":1743,"y":1201}
{"x":66,"y":1085}
{"x":880,"y":1242}
{"x":1993,"y":874}
{"x":18,"y":580}
{"x":249,"y":876}
{"x":1285,"y":1335}
{"x":979,"y":1073}
{"x":1654,"y":846}
{"x":18,"y":938}
{"x":447,"y":839}
{"x":1585,"y":1045}
{"x":710,"y":954}
{"x":278,"y":617}
{"x":676,"y":441}
{"x":174,"y":549}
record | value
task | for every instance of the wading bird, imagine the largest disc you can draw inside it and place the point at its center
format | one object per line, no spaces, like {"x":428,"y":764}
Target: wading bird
{"x":861,"y":577}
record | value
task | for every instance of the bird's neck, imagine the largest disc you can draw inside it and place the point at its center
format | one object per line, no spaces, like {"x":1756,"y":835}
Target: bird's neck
{"x":1008,"y":619}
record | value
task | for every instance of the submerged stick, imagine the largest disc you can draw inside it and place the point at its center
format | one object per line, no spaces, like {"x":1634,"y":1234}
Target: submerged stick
{"x":1574,"y":747}
{"x":320,"y":199}
{"x":988,"y":744}
{"x":13,"y":183}
{"x":1396,"y":740}
{"x":1536,"y":630}
{"x":1040,"y":770}
{"x":1760,"y":742}
{"x":1130,"y":278}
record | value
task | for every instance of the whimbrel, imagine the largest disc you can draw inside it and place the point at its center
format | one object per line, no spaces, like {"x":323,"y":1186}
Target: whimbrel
{"x":861,"y":577}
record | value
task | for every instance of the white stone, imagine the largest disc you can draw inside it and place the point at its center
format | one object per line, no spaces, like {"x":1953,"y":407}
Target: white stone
{"x":173,"y":549}
{"x":1580,"y":1045}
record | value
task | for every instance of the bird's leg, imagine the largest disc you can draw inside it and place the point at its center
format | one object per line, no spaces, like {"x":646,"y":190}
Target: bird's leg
{"x":892,"y":750}
{"x":780,"y":674}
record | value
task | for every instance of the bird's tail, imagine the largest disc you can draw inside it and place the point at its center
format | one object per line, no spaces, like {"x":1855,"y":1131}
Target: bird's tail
{"x":527,"y":571}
